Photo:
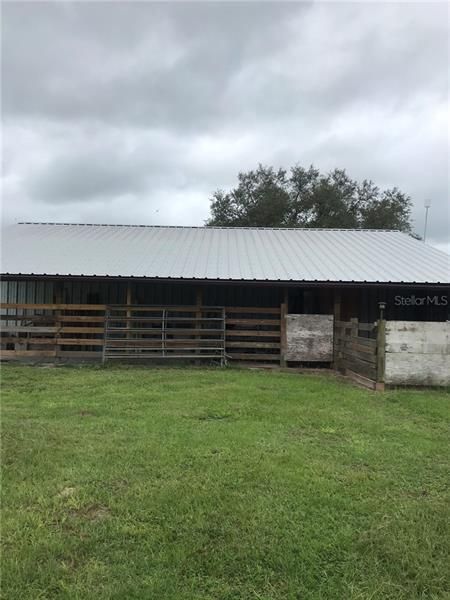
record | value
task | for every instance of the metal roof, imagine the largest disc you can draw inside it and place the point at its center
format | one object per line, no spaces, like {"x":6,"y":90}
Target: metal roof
{"x":204,"y":253}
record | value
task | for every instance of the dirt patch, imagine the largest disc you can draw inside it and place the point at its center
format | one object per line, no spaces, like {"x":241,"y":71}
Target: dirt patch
{"x":93,"y":512}
{"x":66,"y":492}
{"x":300,"y":432}
{"x":214,"y":417}
{"x":86,"y":413}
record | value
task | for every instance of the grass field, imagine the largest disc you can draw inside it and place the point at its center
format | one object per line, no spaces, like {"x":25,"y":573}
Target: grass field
{"x":131,"y":483}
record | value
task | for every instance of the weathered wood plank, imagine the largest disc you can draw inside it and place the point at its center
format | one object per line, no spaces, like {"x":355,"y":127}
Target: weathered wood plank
{"x":257,"y":357}
{"x":369,"y":358}
{"x":79,"y":354}
{"x":89,"y":307}
{"x":249,"y":333}
{"x":416,"y":336}
{"x":78,"y":342}
{"x":310,"y":338}
{"x":417,"y":369}
{"x":361,"y":367}
{"x":27,"y":340}
{"x":81,"y":330}
{"x":361,"y":380}
{"x":352,"y":344}
{"x":265,"y":345}
{"x":81,"y":319}
{"x":370,"y":343}
{"x":253,"y":322}
{"x":252,"y":310}
{"x":381,"y":351}
{"x":30,"y":318}
{"x":283,"y":334}
{"x":366,"y":326}
{"x":417,"y":353}
{"x":31,"y":329}
{"x":361,"y":326}
{"x":27,"y":354}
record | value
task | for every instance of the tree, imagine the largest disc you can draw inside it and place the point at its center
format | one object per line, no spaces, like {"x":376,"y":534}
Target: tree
{"x":267,"y":197}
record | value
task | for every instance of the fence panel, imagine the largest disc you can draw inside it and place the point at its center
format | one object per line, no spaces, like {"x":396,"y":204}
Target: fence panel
{"x":252,"y":335}
{"x":356,"y":352}
{"x":52,"y":330}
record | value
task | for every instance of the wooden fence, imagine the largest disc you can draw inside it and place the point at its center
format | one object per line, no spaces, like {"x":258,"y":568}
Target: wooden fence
{"x":81,"y":331}
{"x":44,"y":331}
{"x":359,"y":348}
{"x":253,"y":335}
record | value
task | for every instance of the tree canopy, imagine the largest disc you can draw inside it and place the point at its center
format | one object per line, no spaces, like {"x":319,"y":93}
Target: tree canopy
{"x":304,"y":197}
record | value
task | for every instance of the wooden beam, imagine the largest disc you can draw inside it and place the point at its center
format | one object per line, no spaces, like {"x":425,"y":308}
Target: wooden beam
{"x":83,"y":319}
{"x":381,"y":350}
{"x":97,"y":307}
{"x":129,"y":295}
{"x":252,"y":310}
{"x":198,"y":302}
{"x":265,"y":345}
{"x":337,"y":319}
{"x":283,"y":334}
{"x":27,"y":354}
{"x":239,"y":356}
{"x":254,"y":321}
{"x":248,"y":333}
{"x":286,"y":299}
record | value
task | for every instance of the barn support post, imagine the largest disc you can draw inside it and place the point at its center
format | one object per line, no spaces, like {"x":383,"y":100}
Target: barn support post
{"x":129,"y":299}
{"x":381,"y":349}
{"x":59,"y":299}
{"x":198,"y":314}
{"x":354,"y":322}
{"x":336,"y":318}
{"x":284,"y":308}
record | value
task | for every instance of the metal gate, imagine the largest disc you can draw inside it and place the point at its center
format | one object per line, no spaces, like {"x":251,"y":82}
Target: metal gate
{"x":135,"y":332}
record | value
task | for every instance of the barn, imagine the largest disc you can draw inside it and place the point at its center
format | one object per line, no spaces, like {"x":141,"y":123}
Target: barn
{"x":252,"y":296}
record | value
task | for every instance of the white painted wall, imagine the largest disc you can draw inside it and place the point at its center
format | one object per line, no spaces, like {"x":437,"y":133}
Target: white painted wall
{"x":417,"y":353}
{"x":309,"y":338}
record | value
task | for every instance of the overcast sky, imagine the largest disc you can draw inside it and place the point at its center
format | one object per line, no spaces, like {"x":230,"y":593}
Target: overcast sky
{"x":136,"y":112}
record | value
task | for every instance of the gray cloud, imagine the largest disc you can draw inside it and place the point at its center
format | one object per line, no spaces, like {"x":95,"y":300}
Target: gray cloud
{"x":126,"y":112}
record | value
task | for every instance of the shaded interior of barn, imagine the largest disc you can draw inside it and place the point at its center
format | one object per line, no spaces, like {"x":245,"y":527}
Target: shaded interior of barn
{"x":415,"y":303}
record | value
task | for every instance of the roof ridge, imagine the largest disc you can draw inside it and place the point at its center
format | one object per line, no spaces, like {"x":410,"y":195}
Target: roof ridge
{"x":207,"y":227}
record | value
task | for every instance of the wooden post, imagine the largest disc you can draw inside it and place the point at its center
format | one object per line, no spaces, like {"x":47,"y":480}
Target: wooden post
{"x":337,"y":317}
{"x":58,"y":300}
{"x":353,"y":333}
{"x":283,"y":332}
{"x":199,"y":301}
{"x":198,"y":316}
{"x":381,"y":354}
{"x":129,"y":299}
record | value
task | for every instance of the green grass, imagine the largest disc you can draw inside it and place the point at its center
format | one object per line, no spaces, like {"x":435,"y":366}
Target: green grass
{"x":133,"y":483}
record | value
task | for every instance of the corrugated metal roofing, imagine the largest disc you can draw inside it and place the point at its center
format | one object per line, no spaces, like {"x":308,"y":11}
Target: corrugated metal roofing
{"x":328,"y":255}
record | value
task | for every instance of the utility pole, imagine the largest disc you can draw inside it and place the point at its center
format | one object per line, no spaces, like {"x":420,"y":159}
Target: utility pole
{"x":427,"y":205}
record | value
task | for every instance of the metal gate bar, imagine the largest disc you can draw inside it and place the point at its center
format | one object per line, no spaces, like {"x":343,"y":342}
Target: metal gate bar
{"x":179,"y":332}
